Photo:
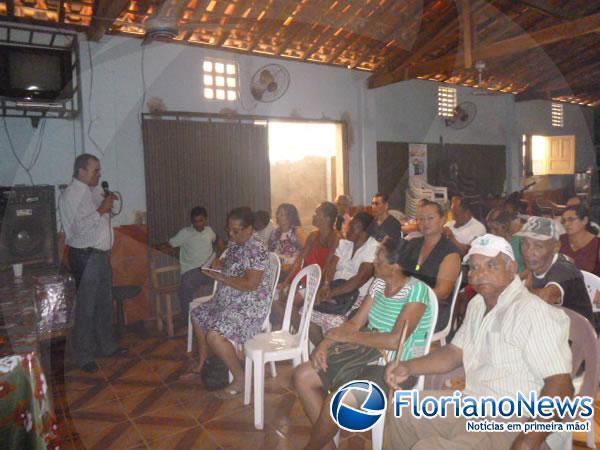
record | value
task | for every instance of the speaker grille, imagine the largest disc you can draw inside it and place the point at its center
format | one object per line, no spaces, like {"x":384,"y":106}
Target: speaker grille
{"x":28,"y":225}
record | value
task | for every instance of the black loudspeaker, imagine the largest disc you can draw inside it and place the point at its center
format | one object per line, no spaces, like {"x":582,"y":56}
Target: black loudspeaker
{"x":28,"y":225}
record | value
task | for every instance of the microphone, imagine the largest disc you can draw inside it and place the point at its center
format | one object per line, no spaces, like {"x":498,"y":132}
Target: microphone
{"x":105,"y":188}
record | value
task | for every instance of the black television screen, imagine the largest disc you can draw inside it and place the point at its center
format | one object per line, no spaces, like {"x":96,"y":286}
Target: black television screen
{"x":34,"y":73}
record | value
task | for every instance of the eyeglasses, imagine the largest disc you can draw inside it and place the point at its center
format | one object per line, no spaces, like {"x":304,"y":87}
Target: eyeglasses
{"x":569,"y":220}
{"x":376,"y":203}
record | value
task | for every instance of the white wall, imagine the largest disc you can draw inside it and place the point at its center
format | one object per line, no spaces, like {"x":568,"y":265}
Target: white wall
{"x":407,"y":112}
{"x":403,"y":112}
{"x":172,"y":73}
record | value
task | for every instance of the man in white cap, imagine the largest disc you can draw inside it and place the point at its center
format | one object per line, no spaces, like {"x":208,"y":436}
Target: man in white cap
{"x":509,"y":341}
{"x":550,"y":275}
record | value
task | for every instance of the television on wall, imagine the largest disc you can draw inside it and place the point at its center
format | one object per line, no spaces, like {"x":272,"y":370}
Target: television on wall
{"x":30,"y":73}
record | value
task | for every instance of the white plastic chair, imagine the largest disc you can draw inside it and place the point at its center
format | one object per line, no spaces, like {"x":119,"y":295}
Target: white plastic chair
{"x":377,"y":430}
{"x":592,"y":283}
{"x":280,"y":345}
{"x":443,"y":334}
{"x":274,"y":268}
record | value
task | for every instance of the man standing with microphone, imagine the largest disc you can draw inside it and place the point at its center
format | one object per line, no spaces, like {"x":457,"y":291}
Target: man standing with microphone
{"x":85,"y":213}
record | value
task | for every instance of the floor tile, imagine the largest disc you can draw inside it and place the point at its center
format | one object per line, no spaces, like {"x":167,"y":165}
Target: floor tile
{"x":194,"y":438}
{"x":164,"y":422}
{"x":146,"y":402}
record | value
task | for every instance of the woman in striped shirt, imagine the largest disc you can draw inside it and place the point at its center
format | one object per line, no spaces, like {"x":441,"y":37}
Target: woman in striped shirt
{"x":346,"y":351}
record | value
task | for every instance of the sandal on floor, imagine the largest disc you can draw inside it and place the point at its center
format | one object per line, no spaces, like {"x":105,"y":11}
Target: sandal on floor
{"x":228,"y":392}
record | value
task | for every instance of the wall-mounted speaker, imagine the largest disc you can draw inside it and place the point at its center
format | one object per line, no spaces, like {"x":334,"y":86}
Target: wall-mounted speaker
{"x":28,"y":225}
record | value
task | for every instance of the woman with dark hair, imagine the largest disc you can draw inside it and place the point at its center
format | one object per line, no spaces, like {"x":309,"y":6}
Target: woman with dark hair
{"x":346,"y":278}
{"x":319,"y":246}
{"x":580,"y":242}
{"x":434,"y":259}
{"x":344,"y":354}
{"x":241,"y":303}
{"x":287,"y":240}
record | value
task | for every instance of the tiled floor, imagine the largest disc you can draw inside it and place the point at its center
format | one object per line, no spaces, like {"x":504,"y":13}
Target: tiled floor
{"x":137,"y":401}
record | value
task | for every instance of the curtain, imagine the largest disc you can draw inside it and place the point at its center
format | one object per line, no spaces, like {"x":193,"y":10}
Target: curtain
{"x":218,"y":165}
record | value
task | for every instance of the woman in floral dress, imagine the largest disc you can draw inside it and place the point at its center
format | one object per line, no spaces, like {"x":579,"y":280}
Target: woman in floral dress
{"x":241,"y":303}
{"x":287,"y":239}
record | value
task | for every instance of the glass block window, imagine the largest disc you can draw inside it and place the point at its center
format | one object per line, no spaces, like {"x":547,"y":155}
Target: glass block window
{"x":220,"y":80}
{"x":558,"y":115}
{"x":447,"y":101}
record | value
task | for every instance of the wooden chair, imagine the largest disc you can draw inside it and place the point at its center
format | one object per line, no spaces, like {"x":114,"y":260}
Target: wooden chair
{"x":163,"y":288}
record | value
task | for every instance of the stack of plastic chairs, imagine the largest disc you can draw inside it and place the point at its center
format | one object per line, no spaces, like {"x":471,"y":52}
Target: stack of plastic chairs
{"x":419,"y":189}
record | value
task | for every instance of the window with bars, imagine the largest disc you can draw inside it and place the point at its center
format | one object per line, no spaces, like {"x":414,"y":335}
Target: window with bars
{"x":558,"y":115}
{"x":220,"y":80}
{"x":447,"y":101}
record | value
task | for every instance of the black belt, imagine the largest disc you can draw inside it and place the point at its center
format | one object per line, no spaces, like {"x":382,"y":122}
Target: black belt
{"x":88,"y":250}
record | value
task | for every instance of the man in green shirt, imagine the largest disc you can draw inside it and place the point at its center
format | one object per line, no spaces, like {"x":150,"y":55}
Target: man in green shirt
{"x":196,"y":244}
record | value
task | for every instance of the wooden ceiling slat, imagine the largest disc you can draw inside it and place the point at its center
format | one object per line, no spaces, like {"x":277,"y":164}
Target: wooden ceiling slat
{"x":240,"y":7}
{"x":538,"y":48}
{"x":357,"y":34}
{"x":374,"y":24}
{"x":521,"y":43}
{"x":383,"y":77}
{"x":332,"y":23}
{"x":281,"y":11}
{"x":547,"y":8}
{"x":107,"y":12}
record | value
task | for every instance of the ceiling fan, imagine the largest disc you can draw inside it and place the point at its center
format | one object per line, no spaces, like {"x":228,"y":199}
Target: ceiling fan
{"x":482,"y":88}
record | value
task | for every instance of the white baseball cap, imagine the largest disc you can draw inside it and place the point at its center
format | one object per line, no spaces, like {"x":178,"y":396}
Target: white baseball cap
{"x":490,"y":245}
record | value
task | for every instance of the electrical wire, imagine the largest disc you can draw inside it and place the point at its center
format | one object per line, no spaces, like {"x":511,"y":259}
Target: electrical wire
{"x":12,"y":149}
{"x":90,"y":95}
{"x":143,"y":76}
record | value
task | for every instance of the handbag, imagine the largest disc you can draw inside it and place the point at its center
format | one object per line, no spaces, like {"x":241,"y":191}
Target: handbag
{"x":214,"y":374}
{"x":339,"y":304}
{"x":346,"y":362}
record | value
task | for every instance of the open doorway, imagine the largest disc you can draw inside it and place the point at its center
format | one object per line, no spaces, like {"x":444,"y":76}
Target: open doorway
{"x":308,"y":164}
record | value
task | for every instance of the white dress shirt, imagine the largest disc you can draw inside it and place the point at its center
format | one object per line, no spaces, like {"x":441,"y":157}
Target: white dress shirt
{"x":84,"y":226}
{"x":467,"y":232}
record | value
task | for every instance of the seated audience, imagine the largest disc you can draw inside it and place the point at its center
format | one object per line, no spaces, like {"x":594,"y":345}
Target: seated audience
{"x":241,"y":303}
{"x":502,"y":222}
{"x":384,"y":226}
{"x":196,"y":243}
{"x":320,"y":245}
{"x":343,"y":203}
{"x":345,"y":352}
{"x":434,"y":259}
{"x":510,"y":341}
{"x":580,"y":242}
{"x":287,"y":240}
{"x":550,"y":275}
{"x":263,"y":226}
{"x":348,"y":275}
{"x":410,"y":228}
{"x":574,"y":201}
{"x":464,"y":228}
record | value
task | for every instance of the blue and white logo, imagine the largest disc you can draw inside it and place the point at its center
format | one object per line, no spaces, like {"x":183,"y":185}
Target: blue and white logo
{"x":372,"y":405}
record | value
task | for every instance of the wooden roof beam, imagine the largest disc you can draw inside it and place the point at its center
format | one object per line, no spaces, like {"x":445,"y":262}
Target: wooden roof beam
{"x":548,"y":9}
{"x":517,"y":44}
{"x":383,"y":77}
{"x":466,"y":24}
{"x":105,"y":14}
{"x":546,"y":92}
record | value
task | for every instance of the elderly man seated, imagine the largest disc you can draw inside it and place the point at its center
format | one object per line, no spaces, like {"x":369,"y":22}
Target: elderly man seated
{"x":510,"y":341}
{"x":550,"y":275}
